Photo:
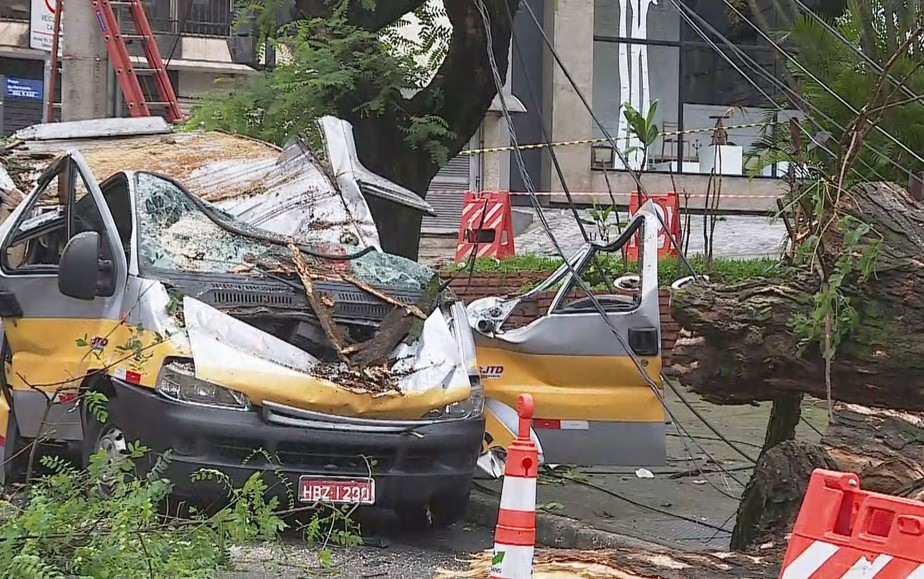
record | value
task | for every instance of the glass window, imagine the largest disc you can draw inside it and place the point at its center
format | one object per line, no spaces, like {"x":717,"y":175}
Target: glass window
{"x":636,"y":19}
{"x":716,"y":92}
{"x":54,"y":217}
{"x":639,"y":74}
{"x":175,"y":234}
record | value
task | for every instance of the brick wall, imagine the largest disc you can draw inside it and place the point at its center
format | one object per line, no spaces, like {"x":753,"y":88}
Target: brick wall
{"x":499,"y":284}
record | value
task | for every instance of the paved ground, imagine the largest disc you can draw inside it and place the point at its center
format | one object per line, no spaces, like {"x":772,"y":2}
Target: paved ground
{"x":679,"y":505}
{"x":389,"y":554}
{"x":738,"y":236}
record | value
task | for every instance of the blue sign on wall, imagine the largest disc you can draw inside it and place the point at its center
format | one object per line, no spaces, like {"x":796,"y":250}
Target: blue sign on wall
{"x":24,"y":88}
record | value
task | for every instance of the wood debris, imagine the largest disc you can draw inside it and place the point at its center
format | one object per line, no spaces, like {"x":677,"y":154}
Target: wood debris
{"x":632,"y":564}
{"x":320,"y":310}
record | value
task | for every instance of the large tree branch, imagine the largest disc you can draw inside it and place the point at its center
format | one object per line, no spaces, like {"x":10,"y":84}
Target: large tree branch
{"x":462,"y":89}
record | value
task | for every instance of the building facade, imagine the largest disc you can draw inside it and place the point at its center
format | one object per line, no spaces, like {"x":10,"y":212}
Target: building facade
{"x":668,"y":54}
{"x":193,"y":36}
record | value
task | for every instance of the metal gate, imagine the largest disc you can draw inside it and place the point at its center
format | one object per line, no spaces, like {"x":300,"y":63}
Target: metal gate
{"x":447,"y":191}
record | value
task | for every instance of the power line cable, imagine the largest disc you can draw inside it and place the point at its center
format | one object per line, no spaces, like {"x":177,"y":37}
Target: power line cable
{"x":636,"y":175}
{"x":868,"y":59}
{"x":517,"y":51}
{"x":818,"y":81}
{"x":686,"y":13}
{"x":640,"y":368}
{"x":702,"y":418}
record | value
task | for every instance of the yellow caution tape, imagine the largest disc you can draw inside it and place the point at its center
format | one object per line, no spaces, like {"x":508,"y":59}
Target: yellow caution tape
{"x":594,"y":141}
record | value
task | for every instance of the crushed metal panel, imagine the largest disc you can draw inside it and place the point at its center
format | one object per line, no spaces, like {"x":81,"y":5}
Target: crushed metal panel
{"x":6,"y":183}
{"x":217,"y":340}
{"x":350,"y":173}
{"x":179,"y":155}
{"x":295,"y":198}
{"x":433,"y":360}
{"x":95,"y":129}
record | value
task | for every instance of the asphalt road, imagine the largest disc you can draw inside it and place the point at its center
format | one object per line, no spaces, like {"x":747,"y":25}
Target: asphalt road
{"x":387,"y":553}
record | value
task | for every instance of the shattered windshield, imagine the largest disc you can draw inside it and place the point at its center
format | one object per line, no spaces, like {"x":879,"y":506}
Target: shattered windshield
{"x":176,"y":235}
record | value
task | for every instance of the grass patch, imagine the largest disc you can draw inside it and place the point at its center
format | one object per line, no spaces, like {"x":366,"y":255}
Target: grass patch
{"x":725,"y":269}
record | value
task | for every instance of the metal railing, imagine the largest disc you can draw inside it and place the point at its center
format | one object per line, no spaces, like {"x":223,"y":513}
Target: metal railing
{"x":208,"y":18}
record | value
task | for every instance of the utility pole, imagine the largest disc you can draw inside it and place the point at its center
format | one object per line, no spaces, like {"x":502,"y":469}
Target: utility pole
{"x":85,"y":64}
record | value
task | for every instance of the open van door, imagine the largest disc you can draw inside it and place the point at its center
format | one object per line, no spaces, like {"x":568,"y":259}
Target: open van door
{"x":593,"y":406}
{"x":49,"y":338}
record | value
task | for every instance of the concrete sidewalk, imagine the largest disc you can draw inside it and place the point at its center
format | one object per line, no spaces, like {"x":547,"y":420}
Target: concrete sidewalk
{"x":678,"y":506}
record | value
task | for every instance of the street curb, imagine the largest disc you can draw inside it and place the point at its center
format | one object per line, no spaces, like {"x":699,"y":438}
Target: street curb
{"x":555,"y":531}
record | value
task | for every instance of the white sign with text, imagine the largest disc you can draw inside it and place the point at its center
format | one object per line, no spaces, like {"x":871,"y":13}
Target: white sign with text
{"x":42,"y":24}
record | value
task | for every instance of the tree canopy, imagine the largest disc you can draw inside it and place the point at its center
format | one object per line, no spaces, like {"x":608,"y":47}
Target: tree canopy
{"x":414,"y":102}
{"x":835,"y":79}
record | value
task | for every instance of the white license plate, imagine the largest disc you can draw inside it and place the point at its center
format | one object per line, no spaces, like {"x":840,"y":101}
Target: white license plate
{"x":354,"y":491}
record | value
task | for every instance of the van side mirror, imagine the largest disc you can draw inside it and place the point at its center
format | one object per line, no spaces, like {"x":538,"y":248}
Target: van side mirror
{"x":81,"y":272}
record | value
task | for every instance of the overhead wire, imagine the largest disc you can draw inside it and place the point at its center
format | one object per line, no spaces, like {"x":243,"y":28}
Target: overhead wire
{"x":818,"y":81}
{"x":639,"y":366}
{"x":636,"y":174}
{"x":912,"y":96}
{"x":688,"y":15}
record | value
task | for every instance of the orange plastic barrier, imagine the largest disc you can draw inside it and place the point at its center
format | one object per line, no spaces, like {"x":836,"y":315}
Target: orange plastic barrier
{"x":843,"y":531}
{"x":668,"y":206}
{"x":487,"y":222}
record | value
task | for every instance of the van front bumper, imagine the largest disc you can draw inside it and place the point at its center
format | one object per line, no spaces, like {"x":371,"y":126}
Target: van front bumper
{"x":411,"y":466}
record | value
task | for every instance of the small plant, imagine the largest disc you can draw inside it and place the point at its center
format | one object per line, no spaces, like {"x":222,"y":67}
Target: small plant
{"x":642,"y":128}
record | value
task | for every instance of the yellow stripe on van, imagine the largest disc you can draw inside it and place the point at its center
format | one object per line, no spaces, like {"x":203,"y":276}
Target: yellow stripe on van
{"x":607,"y":388}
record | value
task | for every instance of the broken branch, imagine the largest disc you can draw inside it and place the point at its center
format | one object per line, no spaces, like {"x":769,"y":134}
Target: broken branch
{"x":323,"y":313}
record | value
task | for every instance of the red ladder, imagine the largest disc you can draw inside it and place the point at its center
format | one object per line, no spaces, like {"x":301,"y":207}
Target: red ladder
{"x":127,"y":75}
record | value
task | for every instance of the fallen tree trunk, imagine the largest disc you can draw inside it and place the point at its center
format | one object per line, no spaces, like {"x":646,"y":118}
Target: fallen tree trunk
{"x":635,"y":563}
{"x":772,"y":497}
{"x":738,"y":345}
{"x":884,"y":447}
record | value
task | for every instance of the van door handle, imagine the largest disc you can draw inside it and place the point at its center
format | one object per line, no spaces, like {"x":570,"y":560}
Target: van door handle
{"x":645,"y":341}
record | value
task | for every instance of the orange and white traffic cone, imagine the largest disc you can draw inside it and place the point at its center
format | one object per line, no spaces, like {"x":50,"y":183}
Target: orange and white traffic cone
{"x":515,"y":534}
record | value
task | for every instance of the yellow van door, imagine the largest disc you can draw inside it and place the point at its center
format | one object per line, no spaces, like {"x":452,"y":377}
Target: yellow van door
{"x":51,"y":339}
{"x":593,"y":405}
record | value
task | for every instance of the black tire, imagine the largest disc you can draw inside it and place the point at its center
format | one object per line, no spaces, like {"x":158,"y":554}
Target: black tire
{"x":94,"y":435}
{"x":441,"y":512}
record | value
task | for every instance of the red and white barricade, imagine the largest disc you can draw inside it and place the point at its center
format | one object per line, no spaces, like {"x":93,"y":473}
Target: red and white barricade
{"x":845,"y":532}
{"x":486,"y":229}
{"x":668,"y":207}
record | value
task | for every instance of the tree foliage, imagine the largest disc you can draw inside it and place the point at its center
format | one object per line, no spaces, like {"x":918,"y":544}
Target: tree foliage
{"x":413,"y":102}
{"x":329,"y":65}
{"x":826,"y":65}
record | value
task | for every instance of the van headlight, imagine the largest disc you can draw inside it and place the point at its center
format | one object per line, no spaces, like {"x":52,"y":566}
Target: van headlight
{"x":471,"y":407}
{"x":177,"y":381}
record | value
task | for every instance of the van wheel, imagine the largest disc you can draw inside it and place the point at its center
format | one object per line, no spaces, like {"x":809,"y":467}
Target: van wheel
{"x":108,"y":438}
{"x":443,"y":511}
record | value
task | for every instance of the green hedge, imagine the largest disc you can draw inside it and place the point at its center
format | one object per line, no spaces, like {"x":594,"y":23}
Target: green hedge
{"x":724,"y":269}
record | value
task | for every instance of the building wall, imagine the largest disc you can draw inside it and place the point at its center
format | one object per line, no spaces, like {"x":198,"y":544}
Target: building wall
{"x":692,"y":84}
{"x":195,"y":62}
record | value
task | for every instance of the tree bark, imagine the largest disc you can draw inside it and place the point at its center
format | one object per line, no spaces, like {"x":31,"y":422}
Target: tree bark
{"x":459,"y":94}
{"x":635,"y":563}
{"x":771,"y":499}
{"x":738,"y":344}
{"x":885,"y":448}
{"x":784,"y":417}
